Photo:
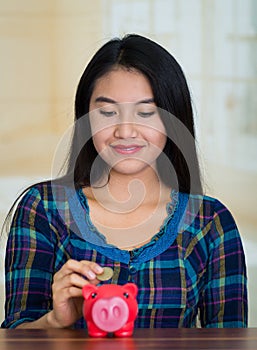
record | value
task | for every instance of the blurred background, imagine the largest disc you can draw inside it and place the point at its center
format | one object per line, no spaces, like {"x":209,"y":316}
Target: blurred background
{"x":45,"y":46}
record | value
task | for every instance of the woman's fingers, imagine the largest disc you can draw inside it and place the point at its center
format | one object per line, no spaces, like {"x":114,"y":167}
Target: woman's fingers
{"x":92,"y":268}
{"x":67,"y":281}
{"x":87,"y":269}
{"x":67,"y":289}
{"x":69,"y":292}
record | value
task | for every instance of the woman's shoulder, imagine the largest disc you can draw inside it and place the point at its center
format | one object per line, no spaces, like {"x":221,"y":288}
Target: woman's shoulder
{"x":208,"y":220}
{"x":47,"y":191}
{"x":205,"y":210}
{"x":209,"y":205}
{"x":39,"y":189}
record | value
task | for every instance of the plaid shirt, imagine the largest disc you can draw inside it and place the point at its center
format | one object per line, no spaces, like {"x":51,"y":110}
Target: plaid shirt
{"x":193,"y":268}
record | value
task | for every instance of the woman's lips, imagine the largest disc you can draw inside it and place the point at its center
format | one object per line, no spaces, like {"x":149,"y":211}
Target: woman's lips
{"x":127,"y":149}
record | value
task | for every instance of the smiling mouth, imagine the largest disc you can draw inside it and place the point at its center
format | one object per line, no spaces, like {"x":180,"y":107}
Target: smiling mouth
{"x":129,"y":149}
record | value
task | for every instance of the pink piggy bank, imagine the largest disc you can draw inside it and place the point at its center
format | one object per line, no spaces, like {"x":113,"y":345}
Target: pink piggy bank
{"x":110,"y":308}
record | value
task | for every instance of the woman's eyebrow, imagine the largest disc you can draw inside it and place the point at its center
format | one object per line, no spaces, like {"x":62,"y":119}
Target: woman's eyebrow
{"x":109,"y":100}
{"x":148,"y":100}
{"x":105,"y":99}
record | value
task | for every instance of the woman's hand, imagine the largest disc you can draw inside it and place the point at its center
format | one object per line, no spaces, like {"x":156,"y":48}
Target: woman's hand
{"x":67,"y":291}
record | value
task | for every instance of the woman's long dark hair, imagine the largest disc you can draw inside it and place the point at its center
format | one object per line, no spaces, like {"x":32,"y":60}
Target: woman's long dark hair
{"x":171,"y":95}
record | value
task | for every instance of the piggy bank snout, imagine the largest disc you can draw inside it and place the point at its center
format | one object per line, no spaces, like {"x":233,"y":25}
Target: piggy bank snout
{"x":110,"y":314}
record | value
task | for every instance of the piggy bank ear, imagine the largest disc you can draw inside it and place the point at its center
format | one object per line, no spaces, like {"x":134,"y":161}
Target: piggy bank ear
{"x":88,"y":289}
{"x":131,"y":288}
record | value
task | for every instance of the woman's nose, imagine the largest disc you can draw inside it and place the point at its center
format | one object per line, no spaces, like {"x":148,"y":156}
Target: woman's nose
{"x":125,"y":129}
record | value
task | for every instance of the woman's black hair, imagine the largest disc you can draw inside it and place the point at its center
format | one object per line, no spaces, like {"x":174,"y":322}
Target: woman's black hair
{"x":178,"y":165}
{"x":171,"y":94}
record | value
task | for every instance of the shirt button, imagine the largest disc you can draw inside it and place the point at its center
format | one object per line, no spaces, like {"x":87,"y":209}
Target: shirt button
{"x":132,"y":270}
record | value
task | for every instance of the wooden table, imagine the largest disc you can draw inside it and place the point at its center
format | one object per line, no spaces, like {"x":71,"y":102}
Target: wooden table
{"x":150,"y":339}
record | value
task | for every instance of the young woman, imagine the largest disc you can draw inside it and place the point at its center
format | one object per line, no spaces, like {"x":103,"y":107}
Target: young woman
{"x":131,"y":199}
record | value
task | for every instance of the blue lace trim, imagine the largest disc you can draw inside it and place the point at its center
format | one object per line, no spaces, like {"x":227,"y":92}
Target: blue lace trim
{"x":171,"y":208}
{"x":95,"y":240}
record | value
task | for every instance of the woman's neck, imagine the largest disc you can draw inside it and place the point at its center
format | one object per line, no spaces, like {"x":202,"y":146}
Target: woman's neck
{"x":123,"y":186}
{"x":125,"y":193}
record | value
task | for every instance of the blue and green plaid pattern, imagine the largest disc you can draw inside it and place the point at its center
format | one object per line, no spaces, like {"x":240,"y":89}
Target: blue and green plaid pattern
{"x":193,"y":268}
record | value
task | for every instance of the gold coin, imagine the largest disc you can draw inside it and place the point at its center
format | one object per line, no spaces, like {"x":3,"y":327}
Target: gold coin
{"x":106,"y":274}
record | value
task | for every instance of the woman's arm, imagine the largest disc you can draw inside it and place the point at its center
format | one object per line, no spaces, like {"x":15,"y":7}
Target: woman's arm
{"x":43,"y":322}
{"x":224,"y":299}
{"x":29,"y":262}
{"x":38,"y":296}
{"x":67,"y":295}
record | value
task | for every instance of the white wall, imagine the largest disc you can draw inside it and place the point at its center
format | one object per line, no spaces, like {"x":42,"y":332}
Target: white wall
{"x":46,"y":44}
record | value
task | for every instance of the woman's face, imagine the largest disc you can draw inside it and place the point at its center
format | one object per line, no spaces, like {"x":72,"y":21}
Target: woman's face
{"x":127,"y":130}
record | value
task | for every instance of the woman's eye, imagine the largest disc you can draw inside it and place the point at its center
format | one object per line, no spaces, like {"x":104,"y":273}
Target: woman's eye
{"x":146,"y":114}
{"x":107,"y":113}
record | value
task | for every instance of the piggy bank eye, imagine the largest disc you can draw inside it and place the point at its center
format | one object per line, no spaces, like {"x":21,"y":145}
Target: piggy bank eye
{"x":126,"y":295}
{"x":93,"y":295}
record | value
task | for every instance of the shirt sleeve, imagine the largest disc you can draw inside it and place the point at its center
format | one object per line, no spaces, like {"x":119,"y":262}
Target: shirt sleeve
{"x":29,"y":262}
{"x":224,"y":299}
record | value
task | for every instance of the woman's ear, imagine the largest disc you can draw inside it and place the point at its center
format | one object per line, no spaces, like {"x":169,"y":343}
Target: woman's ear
{"x":88,"y":289}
